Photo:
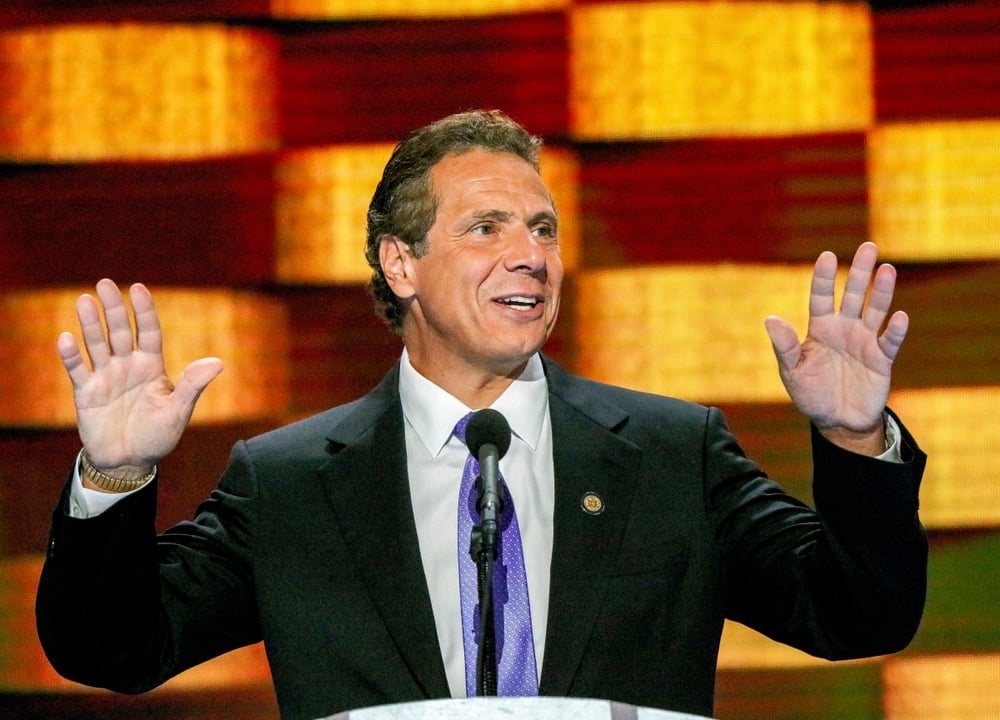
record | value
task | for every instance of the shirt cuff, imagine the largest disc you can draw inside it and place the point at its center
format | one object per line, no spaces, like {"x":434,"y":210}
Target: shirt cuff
{"x":85,"y":503}
{"x":893,"y":441}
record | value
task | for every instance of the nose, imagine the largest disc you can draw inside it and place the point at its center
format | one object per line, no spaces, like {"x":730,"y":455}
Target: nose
{"x":526,"y":254}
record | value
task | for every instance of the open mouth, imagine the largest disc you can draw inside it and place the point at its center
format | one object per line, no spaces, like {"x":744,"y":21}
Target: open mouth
{"x":520,"y":302}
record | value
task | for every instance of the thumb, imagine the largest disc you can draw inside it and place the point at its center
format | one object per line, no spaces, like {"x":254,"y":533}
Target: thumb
{"x":784,"y":341}
{"x":195,"y":379}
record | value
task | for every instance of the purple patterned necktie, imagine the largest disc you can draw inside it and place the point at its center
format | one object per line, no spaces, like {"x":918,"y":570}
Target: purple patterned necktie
{"x":515,"y":648}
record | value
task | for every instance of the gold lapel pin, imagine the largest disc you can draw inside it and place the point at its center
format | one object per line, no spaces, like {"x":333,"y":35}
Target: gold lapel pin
{"x":592,"y":503}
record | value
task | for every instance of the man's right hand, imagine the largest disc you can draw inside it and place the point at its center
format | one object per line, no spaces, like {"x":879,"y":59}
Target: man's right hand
{"x":129,"y":413}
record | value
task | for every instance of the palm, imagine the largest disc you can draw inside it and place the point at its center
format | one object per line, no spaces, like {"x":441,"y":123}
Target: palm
{"x":129,"y":412}
{"x":839,"y":375}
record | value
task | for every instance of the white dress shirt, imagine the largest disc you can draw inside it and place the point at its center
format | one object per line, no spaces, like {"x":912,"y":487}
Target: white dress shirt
{"x":435,"y":461}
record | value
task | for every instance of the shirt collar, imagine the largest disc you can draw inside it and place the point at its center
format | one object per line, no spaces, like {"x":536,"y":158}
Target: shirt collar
{"x":432,"y":412}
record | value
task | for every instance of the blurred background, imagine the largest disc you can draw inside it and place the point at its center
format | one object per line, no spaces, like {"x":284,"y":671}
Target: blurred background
{"x":701,"y":154}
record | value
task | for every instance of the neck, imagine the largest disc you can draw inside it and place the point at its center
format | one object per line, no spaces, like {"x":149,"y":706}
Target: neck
{"x":475,"y":388}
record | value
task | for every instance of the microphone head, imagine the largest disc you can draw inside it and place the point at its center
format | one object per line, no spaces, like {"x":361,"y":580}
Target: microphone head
{"x":487,"y":427}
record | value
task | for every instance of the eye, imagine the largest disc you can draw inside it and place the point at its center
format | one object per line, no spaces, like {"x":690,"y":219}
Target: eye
{"x":484,"y":229}
{"x":544,"y":232}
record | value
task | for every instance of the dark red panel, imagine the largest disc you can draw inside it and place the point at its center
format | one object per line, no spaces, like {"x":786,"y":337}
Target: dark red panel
{"x":377,"y":81}
{"x":952,"y":341}
{"x":339,"y":349}
{"x":723,"y":199}
{"x":938,"y":62}
{"x":34,"y":465}
{"x":245,"y":703}
{"x":192,"y":223}
{"x":825,"y":692}
{"x":34,"y":12}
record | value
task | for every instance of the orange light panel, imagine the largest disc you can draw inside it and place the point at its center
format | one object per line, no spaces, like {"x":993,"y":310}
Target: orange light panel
{"x":246,"y":330}
{"x":934,"y":188}
{"x":693,"y":69}
{"x":943,"y":687}
{"x":24,"y":667}
{"x":357,"y":9}
{"x":561,"y":174}
{"x":322,"y":205}
{"x":959,"y":429}
{"x":106,"y":92}
{"x":321,"y":209}
{"x":743,"y":648}
{"x":695,"y":332}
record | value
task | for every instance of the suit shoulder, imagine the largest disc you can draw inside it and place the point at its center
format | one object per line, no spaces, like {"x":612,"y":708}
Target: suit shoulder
{"x":301,"y":438}
{"x":314,"y":425}
{"x":636,"y":403}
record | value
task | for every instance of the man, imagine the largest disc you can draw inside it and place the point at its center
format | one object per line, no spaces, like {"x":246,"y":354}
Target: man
{"x":334,"y":539}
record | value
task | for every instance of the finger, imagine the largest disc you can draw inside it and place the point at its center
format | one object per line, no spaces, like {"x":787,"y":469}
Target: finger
{"x":72,"y":359}
{"x":858,"y":280}
{"x":824,"y":280}
{"x":895,"y":332}
{"x":785,"y":341}
{"x":147,"y":321}
{"x":880,"y":298}
{"x":92,"y":330}
{"x":120,"y":333}
{"x":193,"y":381}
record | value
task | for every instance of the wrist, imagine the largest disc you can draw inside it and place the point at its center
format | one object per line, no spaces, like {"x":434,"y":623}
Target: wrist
{"x":116,"y":480}
{"x":872,"y":442}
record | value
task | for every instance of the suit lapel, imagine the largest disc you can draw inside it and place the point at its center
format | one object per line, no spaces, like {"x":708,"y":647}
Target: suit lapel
{"x":368,"y":489}
{"x":590,"y":459}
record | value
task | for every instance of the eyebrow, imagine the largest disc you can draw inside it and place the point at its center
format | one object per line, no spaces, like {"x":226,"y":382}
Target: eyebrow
{"x":498,"y":215}
{"x":504,"y":216}
{"x":544,"y":216}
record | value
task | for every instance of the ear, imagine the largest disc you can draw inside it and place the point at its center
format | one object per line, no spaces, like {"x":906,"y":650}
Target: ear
{"x":397,"y":266}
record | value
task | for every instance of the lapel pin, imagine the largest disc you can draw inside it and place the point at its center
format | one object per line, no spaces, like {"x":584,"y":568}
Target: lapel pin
{"x":592,"y":503}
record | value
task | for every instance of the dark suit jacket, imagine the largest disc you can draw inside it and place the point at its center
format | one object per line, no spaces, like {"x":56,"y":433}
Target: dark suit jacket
{"x":309,"y":543}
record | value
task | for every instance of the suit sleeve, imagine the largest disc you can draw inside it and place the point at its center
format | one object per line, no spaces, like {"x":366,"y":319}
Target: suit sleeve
{"x":844,"y":581}
{"x":122,"y":608}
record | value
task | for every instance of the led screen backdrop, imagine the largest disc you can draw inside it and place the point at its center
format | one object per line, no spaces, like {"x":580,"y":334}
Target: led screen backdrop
{"x":701,"y":154}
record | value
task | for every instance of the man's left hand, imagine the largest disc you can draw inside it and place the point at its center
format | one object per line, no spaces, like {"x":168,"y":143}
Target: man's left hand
{"x":839,"y":375}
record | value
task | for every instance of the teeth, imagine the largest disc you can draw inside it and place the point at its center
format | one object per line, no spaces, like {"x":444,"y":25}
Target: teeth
{"x":520,"y":300}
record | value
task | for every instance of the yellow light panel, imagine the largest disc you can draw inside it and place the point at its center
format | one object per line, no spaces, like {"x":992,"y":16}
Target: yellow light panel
{"x":959,"y":429}
{"x":943,"y":687}
{"x":695,"y":332}
{"x":322,"y":205}
{"x":692,"y":69}
{"x":105,"y":92}
{"x":247,"y":331}
{"x":934,"y":188}
{"x":354,"y":9}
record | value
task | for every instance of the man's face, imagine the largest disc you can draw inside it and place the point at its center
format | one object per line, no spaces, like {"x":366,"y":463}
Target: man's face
{"x":485,"y":295}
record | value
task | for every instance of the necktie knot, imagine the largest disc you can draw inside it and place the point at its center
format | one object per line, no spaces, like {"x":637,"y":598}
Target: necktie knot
{"x":462,"y":425}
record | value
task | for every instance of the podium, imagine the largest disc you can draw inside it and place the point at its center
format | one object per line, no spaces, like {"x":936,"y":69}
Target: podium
{"x":506,"y":708}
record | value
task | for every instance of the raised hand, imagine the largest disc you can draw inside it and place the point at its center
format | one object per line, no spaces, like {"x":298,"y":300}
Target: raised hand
{"x":129,"y":413}
{"x":839,"y":375}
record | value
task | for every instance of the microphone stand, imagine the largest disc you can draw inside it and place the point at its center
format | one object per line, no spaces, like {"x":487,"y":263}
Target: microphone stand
{"x":483,"y":548}
{"x":486,"y":659}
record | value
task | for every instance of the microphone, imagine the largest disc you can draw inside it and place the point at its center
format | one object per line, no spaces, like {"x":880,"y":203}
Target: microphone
{"x":488,"y":438}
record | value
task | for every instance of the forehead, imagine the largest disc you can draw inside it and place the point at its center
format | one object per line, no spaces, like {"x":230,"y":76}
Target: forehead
{"x":477,"y":175}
